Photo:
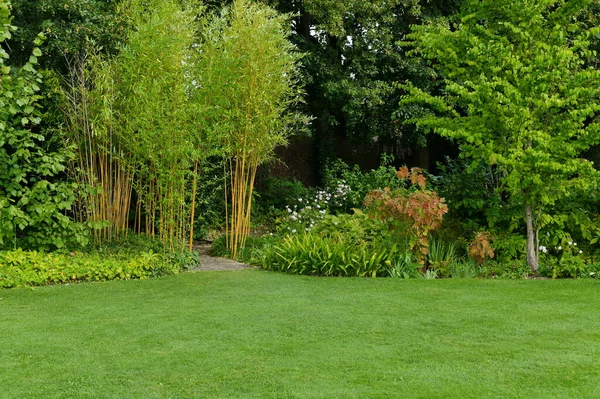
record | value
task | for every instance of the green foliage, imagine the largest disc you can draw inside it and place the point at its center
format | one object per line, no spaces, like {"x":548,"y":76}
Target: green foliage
{"x":250,"y":253}
{"x":461,"y":269}
{"x":359,"y":183}
{"x":473,"y":195}
{"x":403,"y":266}
{"x":278,"y":192}
{"x":352,"y":65}
{"x":247,"y":89}
{"x":20,"y":268}
{"x":33,"y":200}
{"x":441,"y":255}
{"x":515,"y":269}
{"x":71,"y":26}
{"x":518,"y":95}
{"x":314,"y":254}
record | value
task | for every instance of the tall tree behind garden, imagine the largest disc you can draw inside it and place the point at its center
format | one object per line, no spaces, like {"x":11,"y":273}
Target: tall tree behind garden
{"x":352,"y":65}
{"x":70,"y":26}
{"x":520,"y":95}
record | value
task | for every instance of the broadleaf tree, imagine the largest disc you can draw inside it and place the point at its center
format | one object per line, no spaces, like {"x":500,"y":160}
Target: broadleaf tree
{"x":520,"y":95}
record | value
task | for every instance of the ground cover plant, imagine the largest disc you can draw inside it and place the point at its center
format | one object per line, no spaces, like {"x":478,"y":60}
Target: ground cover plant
{"x":257,"y":334}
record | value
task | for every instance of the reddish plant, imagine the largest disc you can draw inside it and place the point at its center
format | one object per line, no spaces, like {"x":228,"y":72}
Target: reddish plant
{"x":480,"y":248}
{"x":423,"y":210}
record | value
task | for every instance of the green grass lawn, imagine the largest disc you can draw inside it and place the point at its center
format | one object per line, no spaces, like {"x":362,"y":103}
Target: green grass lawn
{"x":256,"y":334}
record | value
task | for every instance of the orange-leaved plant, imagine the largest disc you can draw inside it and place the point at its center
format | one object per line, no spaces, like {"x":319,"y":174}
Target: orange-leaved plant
{"x":413,"y":205}
{"x":480,"y":248}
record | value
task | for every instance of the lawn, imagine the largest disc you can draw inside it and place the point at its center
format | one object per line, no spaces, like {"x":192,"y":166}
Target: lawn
{"x":257,"y":334}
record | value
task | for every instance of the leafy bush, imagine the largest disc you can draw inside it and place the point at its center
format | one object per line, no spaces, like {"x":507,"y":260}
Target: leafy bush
{"x":23,"y":268}
{"x":277,"y":193}
{"x":358,"y":183}
{"x":480,"y":248}
{"x":411,"y":207}
{"x":33,"y":201}
{"x":515,"y":269}
{"x":313,"y":254}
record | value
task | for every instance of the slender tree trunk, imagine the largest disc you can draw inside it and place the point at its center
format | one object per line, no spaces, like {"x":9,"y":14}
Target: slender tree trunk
{"x":532,"y":258}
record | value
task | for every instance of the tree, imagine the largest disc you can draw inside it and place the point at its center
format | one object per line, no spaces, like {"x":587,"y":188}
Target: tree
{"x":519,"y":95}
{"x":70,"y":26}
{"x":352,"y":65}
{"x":248,"y":84}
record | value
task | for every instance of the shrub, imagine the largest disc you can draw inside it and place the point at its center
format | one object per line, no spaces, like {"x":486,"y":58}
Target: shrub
{"x":314,"y":254}
{"x":515,"y":269}
{"x":277,"y":193}
{"x":30,"y":268}
{"x":412,"y":208}
{"x":358,"y":183}
{"x":480,"y":248}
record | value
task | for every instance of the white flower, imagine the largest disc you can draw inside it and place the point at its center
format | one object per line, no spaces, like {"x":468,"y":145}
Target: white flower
{"x":288,"y":209}
{"x":306,"y":229}
{"x":318,"y":206}
{"x":559,"y":248}
{"x":299,"y":199}
{"x":580,"y":251}
{"x":293,"y":231}
{"x":570,"y":242}
{"x":574,"y":244}
{"x":592,"y":273}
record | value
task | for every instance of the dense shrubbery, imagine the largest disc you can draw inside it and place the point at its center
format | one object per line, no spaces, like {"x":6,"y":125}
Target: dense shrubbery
{"x":25,"y":268}
{"x":395,"y":233}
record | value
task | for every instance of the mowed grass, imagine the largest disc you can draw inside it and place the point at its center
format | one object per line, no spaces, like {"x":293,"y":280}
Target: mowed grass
{"x":257,"y":334}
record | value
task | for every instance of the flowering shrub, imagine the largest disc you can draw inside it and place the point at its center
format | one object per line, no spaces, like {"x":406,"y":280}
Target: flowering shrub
{"x":306,"y":212}
{"x":565,"y":261}
{"x":411,"y":207}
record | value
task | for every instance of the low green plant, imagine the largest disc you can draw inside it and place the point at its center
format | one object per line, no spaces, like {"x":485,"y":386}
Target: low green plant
{"x":250,"y":253}
{"x":403,"y":266}
{"x":430,"y":274}
{"x":462,"y":269}
{"x":313,"y":254}
{"x":513,"y":270}
{"x":31,"y":268}
{"x":441,"y":255}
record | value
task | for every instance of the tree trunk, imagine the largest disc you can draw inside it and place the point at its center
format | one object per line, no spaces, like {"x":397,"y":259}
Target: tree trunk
{"x":532,"y":258}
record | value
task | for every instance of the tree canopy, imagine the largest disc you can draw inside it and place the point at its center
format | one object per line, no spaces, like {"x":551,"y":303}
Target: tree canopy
{"x":519,"y":95}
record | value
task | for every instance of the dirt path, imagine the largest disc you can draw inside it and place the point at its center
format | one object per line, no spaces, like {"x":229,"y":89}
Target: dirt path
{"x":210,"y":263}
